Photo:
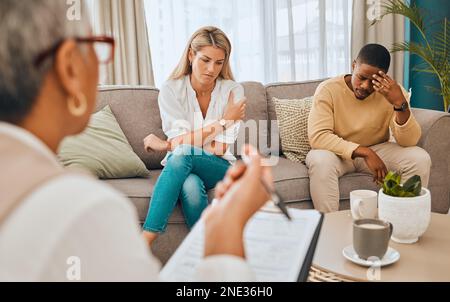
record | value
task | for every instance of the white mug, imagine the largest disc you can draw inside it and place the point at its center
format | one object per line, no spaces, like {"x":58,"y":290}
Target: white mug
{"x":364,"y":204}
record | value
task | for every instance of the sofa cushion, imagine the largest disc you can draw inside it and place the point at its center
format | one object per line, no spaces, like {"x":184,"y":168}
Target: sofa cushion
{"x":286,"y":91}
{"x":137,"y":112}
{"x":293,"y":117}
{"x":102,"y":149}
{"x":256,"y":121}
{"x":291,"y":180}
{"x":139,"y":192}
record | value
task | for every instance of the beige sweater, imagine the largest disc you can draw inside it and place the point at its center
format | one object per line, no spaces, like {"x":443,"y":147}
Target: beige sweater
{"x":340,"y":123}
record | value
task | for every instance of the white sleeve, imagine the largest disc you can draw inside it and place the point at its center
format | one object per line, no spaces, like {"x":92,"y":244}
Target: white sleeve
{"x":173,"y":118}
{"x":231,"y":134}
{"x":224,"y":268}
{"x":104,"y":240}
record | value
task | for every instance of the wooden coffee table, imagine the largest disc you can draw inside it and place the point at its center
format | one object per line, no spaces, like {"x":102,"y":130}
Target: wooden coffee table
{"x":427,"y":260}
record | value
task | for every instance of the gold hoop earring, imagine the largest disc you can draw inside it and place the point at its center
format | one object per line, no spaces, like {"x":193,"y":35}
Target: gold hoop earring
{"x":81,"y":108}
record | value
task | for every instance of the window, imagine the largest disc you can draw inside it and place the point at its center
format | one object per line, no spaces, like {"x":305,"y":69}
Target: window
{"x":273,"y":40}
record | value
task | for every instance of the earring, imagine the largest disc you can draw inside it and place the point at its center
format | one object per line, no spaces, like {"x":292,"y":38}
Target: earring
{"x":81,"y":108}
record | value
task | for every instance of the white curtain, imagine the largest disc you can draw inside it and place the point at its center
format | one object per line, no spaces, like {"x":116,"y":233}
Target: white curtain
{"x":386,"y":32}
{"x":273,"y":40}
{"x":125,"y":21}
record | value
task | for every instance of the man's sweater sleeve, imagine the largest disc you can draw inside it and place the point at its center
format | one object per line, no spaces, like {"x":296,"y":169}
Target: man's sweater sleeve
{"x":321,"y":127}
{"x":407,"y":135}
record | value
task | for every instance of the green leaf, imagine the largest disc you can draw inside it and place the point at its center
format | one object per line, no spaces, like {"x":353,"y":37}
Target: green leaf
{"x":392,"y":186}
{"x":399,"y":7}
{"x":408,"y":195}
{"x":434,"y":90}
{"x":413,"y":185}
{"x":425,"y":70}
{"x":385,"y":188}
{"x":397,"y":191}
{"x":392,"y":176}
{"x":442,"y":38}
{"x":388,"y":186}
{"x":402,"y":193}
{"x":434,"y":48}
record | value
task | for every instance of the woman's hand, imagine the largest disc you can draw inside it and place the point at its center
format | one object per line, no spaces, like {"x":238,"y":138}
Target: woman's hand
{"x":235,"y":111}
{"x":154,"y":143}
{"x":240,"y":195}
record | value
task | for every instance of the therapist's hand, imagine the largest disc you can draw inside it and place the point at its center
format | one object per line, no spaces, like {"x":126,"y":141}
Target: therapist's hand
{"x":240,"y":195}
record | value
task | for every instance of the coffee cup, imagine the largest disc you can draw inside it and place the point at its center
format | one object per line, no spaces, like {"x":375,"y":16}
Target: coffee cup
{"x":371,"y":238}
{"x":364,"y":204}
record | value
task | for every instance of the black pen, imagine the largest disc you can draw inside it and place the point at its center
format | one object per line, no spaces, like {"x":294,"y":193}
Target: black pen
{"x":274,"y":195}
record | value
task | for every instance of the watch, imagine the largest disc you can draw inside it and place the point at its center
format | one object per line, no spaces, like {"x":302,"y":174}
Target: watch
{"x":403,"y":108}
{"x":223,"y":123}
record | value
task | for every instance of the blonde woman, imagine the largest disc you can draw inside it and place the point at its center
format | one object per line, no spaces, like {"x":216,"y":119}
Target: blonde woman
{"x":201,"y":120}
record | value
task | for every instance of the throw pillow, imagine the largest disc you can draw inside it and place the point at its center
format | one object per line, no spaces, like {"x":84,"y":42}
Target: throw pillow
{"x":293,"y":124}
{"x":103,"y":150}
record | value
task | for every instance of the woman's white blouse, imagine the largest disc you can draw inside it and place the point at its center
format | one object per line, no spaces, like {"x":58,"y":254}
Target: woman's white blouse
{"x":181,"y":113}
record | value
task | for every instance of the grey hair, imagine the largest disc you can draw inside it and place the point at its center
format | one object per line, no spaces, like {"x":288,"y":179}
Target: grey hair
{"x":28,"y":28}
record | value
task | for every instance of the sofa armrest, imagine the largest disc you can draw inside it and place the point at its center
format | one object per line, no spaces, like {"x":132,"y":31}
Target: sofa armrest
{"x":436,"y":141}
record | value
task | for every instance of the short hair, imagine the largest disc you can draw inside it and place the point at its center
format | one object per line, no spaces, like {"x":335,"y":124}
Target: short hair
{"x":28,"y":28}
{"x":375,"y":55}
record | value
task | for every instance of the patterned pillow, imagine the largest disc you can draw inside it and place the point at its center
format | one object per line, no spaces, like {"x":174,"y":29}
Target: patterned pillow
{"x":293,"y":124}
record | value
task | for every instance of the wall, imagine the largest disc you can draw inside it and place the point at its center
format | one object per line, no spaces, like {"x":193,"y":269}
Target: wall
{"x":422,"y":97}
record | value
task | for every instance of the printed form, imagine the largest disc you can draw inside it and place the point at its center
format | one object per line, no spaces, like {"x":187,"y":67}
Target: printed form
{"x":275,"y":247}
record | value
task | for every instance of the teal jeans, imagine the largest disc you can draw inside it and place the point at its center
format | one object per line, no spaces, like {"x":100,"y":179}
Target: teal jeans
{"x":189,"y":174}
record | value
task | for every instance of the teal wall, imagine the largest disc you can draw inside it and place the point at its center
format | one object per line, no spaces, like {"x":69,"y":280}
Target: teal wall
{"x":422,"y":98}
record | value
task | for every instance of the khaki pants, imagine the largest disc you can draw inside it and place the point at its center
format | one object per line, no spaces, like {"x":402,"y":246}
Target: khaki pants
{"x":325,"y":169}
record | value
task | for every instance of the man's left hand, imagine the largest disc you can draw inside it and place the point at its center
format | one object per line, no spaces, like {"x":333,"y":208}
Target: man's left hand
{"x":389,"y":88}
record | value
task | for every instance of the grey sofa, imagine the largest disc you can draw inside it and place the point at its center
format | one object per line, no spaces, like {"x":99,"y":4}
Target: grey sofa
{"x":136,"y":109}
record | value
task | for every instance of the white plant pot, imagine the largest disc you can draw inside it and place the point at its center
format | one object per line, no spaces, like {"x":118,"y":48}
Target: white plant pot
{"x":409,"y":216}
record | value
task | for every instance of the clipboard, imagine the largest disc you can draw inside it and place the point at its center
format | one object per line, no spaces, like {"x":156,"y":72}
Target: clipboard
{"x":265,"y":234}
{"x":306,"y":268}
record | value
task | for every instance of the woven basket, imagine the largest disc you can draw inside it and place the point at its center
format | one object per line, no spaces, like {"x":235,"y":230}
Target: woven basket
{"x":316,"y":275}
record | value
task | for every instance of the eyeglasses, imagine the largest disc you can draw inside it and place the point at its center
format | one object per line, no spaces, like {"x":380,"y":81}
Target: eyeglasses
{"x":103,"y":45}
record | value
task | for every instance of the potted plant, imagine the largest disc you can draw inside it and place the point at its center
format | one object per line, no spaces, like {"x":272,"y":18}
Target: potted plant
{"x":434,"y":49}
{"x":407,"y":207}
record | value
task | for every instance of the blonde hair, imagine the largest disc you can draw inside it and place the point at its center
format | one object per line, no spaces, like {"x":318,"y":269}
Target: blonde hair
{"x":205,"y":36}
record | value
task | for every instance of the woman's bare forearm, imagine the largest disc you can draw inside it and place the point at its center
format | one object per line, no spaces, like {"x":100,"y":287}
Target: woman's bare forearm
{"x":199,"y":138}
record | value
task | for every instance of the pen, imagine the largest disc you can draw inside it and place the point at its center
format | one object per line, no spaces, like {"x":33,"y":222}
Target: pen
{"x":274,"y":195}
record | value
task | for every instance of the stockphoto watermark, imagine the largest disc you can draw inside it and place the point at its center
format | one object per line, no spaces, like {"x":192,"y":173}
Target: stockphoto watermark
{"x":374,"y":272}
{"x":262,"y":134}
{"x":73,"y":10}
{"x":73,"y":272}
{"x":373,"y":10}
